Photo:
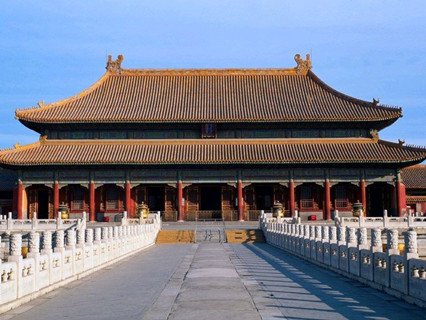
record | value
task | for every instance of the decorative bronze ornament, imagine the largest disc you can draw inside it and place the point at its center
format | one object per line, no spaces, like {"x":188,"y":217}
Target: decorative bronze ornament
{"x":357,"y":209}
{"x":64,"y":211}
{"x":142,"y":211}
{"x":278,"y":210}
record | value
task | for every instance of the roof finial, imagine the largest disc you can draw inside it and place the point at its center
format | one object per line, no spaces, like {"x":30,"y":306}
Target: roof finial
{"x":303,"y":66}
{"x":376,"y":102}
{"x":401,"y":142}
{"x":114,"y":65}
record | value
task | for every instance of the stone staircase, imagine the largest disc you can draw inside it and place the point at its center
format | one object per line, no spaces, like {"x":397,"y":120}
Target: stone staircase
{"x":245,"y":236}
{"x":176,"y":236}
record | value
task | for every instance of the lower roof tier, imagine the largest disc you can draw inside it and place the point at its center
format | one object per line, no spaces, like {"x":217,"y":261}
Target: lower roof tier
{"x":214,"y":151}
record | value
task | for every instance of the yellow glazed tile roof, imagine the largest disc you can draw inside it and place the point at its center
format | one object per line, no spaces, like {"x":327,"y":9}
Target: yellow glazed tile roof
{"x":215,"y":151}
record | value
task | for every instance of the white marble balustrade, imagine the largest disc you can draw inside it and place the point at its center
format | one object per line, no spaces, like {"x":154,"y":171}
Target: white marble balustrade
{"x":67,"y":256}
{"x":346,"y":250}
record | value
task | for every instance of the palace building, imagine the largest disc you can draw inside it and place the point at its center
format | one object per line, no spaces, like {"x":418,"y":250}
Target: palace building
{"x":214,"y":143}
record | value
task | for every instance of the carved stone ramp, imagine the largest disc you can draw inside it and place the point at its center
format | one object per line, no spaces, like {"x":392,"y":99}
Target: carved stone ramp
{"x":245,"y":236}
{"x":175,"y":236}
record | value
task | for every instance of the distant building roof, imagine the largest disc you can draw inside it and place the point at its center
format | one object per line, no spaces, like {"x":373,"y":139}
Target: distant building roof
{"x":210,"y":151}
{"x":209,"y":95}
{"x":414,"y":177}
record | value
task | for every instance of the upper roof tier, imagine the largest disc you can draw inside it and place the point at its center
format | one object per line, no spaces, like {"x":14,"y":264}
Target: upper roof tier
{"x":209,"y":96}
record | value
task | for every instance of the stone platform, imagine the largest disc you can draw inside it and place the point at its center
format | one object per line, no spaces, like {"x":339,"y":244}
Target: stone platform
{"x":215,"y":281}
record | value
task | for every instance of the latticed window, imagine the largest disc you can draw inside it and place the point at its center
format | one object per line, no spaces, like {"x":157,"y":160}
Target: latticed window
{"x":306,"y":197}
{"x":340,"y":196}
{"x":112,"y":200}
{"x":77,"y":199}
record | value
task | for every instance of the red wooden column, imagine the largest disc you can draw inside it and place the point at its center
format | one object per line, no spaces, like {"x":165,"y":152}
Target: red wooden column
{"x":19,"y":200}
{"x":401,"y":198}
{"x":180,"y":201}
{"x":55,"y":199}
{"x":291,"y":197}
{"x":240,"y":201}
{"x":327,"y":209}
{"x":363,"y":191}
{"x":128,"y":205}
{"x":92,"y":201}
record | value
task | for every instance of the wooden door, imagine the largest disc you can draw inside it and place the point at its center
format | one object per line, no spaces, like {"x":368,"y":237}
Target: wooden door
{"x":249,"y":198}
{"x":227,"y":198}
{"x":192,"y":199}
{"x":32,"y":202}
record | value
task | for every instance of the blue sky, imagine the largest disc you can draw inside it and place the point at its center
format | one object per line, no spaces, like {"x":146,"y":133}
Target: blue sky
{"x":368,"y":49}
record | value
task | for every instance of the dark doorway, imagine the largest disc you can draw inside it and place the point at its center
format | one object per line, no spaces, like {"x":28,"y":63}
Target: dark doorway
{"x":155,"y":198}
{"x":43,"y":204}
{"x":211,"y":198}
{"x":379,"y":198}
{"x":264,"y":197}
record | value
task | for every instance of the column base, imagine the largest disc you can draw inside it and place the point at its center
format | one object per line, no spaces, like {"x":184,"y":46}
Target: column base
{"x":181,"y":221}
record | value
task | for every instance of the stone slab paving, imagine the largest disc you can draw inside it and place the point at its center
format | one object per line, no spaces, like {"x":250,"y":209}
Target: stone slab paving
{"x":124,"y":290}
{"x":302,"y":290}
{"x":212,"y":289}
{"x":215,"y":281}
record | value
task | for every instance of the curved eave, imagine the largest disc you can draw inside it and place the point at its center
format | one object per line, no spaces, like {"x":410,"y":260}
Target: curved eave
{"x":196,"y":152}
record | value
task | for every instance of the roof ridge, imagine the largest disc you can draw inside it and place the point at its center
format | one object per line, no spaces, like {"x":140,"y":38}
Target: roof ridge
{"x":209,"y":71}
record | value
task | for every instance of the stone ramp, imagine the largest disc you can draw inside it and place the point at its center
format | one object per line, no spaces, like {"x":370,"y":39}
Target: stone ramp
{"x":175,"y":236}
{"x":245,"y":236}
{"x":215,"y":281}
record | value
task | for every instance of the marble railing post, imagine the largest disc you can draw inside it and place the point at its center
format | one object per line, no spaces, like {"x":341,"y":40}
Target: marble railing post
{"x":351,"y":237}
{"x":81,"y":233}
{"x":376,"y":240}
{"x":98,"y":236}
{"x":71,"y":239}
{"x":341,"y":235}
{"x":410,"y":239}
{"x":301,"y":239}
{"x":362,"y":239}
{"x":312,"y":232}
{"x":333,"y":234}
{"x":104,"y":234}
{"x":59,"y":241}
{"x":15,"y":247}
{"x":33,"y":244}
{"x":46,"y":247}
{"x":325,"y":234}
{"x":115,"y":233}
{"x":89,"y":237}
{"x":392,"y":241}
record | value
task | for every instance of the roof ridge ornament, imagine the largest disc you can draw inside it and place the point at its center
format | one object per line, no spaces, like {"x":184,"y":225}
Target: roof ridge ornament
{"x":114,"y":66}
{"x":303,"y":66}
{"x":376,"y":102}
{"x":374,"y":135}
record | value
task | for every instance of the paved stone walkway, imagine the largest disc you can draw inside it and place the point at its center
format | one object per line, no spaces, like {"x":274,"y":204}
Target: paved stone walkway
{"x":215,"y":281}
